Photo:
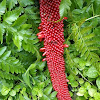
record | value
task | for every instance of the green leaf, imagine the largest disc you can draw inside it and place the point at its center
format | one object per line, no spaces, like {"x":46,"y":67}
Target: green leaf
{"x":91,"y":48}
{"x":48,"y":90}
{"x":5,"y":55}
{"x":92,"y":72}
{"x":32,"y":66}
{"x":11,"y":3}
{"x":81,"y":81}
{"x":41,"y":85}
{"x":87,"y":85}
{"x":45,"y":97}
{"x":12,"y":92}
{"x":21,"y":20}
{"x":1,"y":33}
{"x":82,"y":91}
{"x":41,"y":65}
{"x":77,"y":11}
{"x":80,"y":3}
{"x":91,"y":99}
{"x":2,"y":7}
{"x":21,"y":97}
{"x":17,"y":41}
{"x":11,"y":16}
{"x":71,"y":78}
{"x":74,"y":84}
{"x":5,"y":90}
{"x":10,"y":98}
{"x":92,"y":91}
{"x":80,"y":98}
{"x":27,"y":79}
{"x":2,"y":50}
{"x":17,"y":88}
{"x":53,"y":95}
{"x":64,"y":6}
{"x":82,"y":64}
{"x":25,"y":2}
{"x":35,"y":91}
{"x":76,"y":60}
{"x":98,"y":82}
{"x":40,"y":93}
{"x":89,"y":36}
{"x":97,"y":96}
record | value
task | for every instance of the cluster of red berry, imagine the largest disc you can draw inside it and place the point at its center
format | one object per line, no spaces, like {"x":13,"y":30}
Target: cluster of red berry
{"x":52,"y":34}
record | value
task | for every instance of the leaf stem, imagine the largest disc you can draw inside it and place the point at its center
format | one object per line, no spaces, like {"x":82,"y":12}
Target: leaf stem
{"x":92,"y":17}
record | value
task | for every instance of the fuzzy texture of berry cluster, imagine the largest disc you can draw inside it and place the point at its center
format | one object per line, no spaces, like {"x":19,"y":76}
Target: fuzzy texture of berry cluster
{"x":52,"y":35}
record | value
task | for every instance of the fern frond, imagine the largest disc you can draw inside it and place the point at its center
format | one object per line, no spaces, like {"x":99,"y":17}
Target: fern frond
{"x":9,"y":64}
{"x":89,"y":43}
{"x":21,"y":20}
{"x":11,"y":4}
{"x":85,"y":44}
{"x":91,"y":48}
{"x":89,"y":36}
{"x":5,"y":55}
{"x":85,"y":30}
{"x":5,"y":75}
{"x":25,"y":2}
{"x":33,"y":14}
{"x":11,"y":16}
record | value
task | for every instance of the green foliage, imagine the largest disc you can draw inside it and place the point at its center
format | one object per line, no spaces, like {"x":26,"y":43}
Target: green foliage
{"x":64,"y":6}
{"x":82,"y":56}
{"x":23,"y":75}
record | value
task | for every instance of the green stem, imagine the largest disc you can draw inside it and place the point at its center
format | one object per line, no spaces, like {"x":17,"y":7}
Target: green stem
{"x":92,"y":17}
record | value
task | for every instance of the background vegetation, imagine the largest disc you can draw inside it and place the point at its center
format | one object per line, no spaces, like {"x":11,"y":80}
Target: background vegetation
{"x":23,"y":75}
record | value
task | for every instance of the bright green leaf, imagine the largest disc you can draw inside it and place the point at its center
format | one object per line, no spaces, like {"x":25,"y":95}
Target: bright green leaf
{"x":97,"y":96}
{"x":10,"y":98}
{"x":40,"y":93}
{"x":53,"y":95}
{"x":21,"y":20}
{"x":11,"y":3}
{"x":11,"y":16}
{"x":2,"y":7}
{"x":48,"y":90}
{"x":74,"y":84}
{"x":87,"y":85}
{"x":12,"y":92}
{"x":92,"y":72}
{"x":17,"y":41}
{"x":5,"y":55}
{"x":82,"y":91}
{"x":5,"y":90}
{"x":81,"y":81}
{"x":98,"y":82}
{"x":2,"y":50}
{"x":92,"y":91}
{"x":32,"y":66}
{"x":64,"y":6}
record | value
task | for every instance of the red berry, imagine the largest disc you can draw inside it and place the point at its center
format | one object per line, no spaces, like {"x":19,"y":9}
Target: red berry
{"x":65,"y":46}
{"x":42,"y":49}
{"x":65,"y":18}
